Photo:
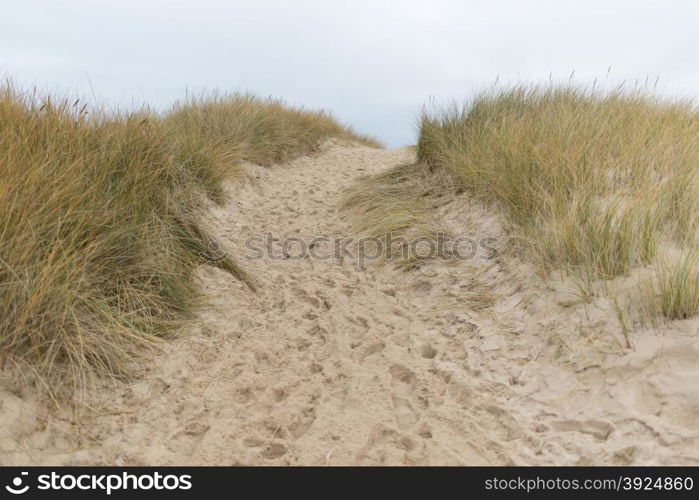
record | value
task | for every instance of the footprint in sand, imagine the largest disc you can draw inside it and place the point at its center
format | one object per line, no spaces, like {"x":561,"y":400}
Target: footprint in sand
{"x":372,"y":352}
{"x":404,"y":385}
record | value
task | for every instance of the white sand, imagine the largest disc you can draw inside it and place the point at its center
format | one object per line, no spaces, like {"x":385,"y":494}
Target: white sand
{"x":330,"y":364}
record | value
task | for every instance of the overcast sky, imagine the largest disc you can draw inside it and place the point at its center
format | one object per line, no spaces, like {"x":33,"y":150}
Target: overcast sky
{"x":373,"y":63}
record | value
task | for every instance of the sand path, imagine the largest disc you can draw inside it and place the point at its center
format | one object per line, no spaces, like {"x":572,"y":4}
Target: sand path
{"x":329,"y":363}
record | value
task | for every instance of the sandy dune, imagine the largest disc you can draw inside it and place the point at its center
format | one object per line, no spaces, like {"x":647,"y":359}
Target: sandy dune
{"x":332,"y":364}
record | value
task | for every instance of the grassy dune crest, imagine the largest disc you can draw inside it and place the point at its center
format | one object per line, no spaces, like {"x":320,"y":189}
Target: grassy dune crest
{"x":594,"y":182}
{"x":99,"y":220}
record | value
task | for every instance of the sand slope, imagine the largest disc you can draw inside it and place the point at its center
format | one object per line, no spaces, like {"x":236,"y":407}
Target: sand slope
{"x":332,"y":364}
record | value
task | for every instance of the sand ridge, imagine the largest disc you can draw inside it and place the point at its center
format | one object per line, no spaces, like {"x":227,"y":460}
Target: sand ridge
{"x":333,"y":363}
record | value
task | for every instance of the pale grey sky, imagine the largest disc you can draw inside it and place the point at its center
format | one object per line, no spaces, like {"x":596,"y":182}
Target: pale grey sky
{"x":373,"y":63}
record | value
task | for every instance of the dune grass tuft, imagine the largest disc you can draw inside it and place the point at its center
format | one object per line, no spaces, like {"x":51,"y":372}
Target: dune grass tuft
{"x":593,"y":182}
{"x":675,"y":290}
{"x":100,"y":220}
{"x":398,"y":202}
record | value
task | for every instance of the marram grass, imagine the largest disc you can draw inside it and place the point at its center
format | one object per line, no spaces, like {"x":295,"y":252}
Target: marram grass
{"x":99,"y":220}
{"x":592,"y":182}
